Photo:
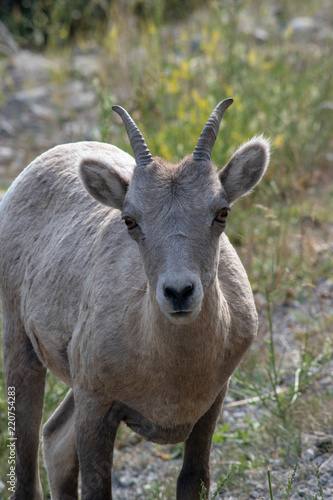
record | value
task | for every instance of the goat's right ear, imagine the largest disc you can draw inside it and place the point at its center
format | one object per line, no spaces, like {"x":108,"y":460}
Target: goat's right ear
{"x":103,"y":182}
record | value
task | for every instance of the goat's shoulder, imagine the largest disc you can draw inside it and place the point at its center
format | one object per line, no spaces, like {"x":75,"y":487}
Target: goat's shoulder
{"x":47,"y":205}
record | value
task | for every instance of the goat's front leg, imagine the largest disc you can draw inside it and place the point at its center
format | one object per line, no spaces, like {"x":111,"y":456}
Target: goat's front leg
{"x":96,"y":428}
{"x":25,"y":380}
{"x":196,"y":471}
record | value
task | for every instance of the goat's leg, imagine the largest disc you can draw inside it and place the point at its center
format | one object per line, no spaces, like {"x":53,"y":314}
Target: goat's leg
{"x":95,"y":428}
{"x":25,"y":376}
{"x":59,"y":450}
{"x":196,"y":471}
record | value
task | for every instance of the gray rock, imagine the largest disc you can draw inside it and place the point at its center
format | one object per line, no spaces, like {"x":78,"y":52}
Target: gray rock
{"x":309,"y":454}
{"x":77,"y":97}
{"x":30,"y":66}
{"x":260,"y":34}
{"x":15,"y":109}
{"x":7,"y":129}
{"x":126,"y":480}
{"x":303,"y":24}
{"x":32,"y":94}
{"x":43,"y":112}
{"x":87,"y":65}
{"x":6,"y":153}
{"x":305,"y":27}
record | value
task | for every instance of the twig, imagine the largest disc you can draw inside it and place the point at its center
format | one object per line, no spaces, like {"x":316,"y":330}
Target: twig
{"x":255,"y":399}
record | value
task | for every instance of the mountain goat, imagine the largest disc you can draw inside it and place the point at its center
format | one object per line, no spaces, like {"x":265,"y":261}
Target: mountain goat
{"x":145,"y":323}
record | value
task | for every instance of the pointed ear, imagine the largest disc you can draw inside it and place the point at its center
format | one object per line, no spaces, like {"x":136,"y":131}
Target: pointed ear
{"x":245,"y":168}
{"x":104,"y":182}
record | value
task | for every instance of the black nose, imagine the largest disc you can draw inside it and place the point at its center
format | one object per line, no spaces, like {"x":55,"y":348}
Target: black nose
{"x":179,"y":298}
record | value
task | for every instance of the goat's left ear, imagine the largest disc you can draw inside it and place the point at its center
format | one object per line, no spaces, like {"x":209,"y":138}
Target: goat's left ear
{"x":245,"y":168}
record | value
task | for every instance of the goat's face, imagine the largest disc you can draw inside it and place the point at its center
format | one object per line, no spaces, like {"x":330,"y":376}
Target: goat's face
{"x":177,"y":213}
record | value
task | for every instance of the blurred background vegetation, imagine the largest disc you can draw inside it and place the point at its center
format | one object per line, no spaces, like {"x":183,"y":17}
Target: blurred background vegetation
{"x":36,"y":22}
{"x":169,"y":64}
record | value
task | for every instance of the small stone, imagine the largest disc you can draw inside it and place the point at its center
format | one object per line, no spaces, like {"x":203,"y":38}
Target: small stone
{"x":303,"y":24}
{"x":274,"y":461}
{"x":32,"y":94}
{"x":43,"y":112}
{"x":6,"y":153}
{"x":7,"y":129}
{"x":126,"y":481}
{"x":82,"y":101}
{"x":260,"y":34}
{"x":87,"y":65}
{"x":309,"y":454}
{"x":32,"y":65}
{"x":14,"y":108}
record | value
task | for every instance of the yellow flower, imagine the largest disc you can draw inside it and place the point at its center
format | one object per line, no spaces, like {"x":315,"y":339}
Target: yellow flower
{"x":237,"y":103}
{"x":200,"y":102}
{"x":183,"y":36}
{"x":152,"y":28}
{"x":172,"y":86}
{"x":165,"y":152}
{"x":288,"y":32}
{"x":184,"y":69}
{"x":228,"y":90}
{"x":278,"y":141}
{"x":215,"y":38}
{"x":267,"y":65}
{"x":63,"y":33}
{"x":252,"y":58}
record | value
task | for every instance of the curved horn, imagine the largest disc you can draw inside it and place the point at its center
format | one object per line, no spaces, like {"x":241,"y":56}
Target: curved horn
{"x":203,"y":150}
{"x":140,"y":149}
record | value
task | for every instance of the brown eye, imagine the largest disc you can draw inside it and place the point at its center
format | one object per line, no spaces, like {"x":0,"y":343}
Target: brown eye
{"x":130,"y":223}
{"x":222,"y":215}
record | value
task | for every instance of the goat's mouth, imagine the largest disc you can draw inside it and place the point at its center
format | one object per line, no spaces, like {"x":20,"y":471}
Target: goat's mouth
{"x":181,"y":317}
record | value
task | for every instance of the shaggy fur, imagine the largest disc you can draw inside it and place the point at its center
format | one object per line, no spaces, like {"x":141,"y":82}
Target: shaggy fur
{"x":145,"y":325}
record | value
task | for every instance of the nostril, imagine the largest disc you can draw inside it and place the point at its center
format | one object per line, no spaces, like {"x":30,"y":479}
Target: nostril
{"x":186,"y":292}
{"x":171,"y":293}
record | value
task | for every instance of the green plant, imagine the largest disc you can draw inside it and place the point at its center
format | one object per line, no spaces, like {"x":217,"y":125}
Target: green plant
{"x":285,"y":495}
{"x":291,"y":479}
{"x":321,"y":493}
{"x":221,"y":484}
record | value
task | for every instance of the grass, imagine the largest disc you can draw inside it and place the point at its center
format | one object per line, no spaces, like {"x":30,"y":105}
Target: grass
{"x":170,"y":77}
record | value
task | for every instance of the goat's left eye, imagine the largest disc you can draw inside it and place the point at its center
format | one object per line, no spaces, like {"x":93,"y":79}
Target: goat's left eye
{"x":222,"y":215}
{"x":130,"y":223}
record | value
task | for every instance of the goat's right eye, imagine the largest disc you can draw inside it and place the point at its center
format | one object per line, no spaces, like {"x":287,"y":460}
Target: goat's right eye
{"x":130,"y":223}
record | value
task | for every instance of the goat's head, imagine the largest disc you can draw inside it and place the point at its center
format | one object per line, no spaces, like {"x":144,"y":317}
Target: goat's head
{"x":177,"y":213}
